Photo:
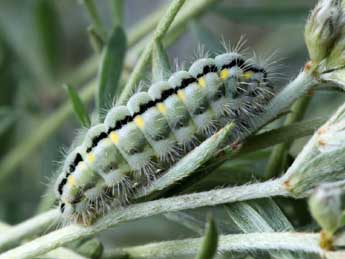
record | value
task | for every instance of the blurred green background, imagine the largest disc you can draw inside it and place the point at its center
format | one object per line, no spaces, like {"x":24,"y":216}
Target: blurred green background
{"x":44,"y":44}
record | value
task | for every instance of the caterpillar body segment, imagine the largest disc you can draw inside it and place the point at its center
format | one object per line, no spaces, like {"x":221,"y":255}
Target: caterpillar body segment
{"x":139,"y":141}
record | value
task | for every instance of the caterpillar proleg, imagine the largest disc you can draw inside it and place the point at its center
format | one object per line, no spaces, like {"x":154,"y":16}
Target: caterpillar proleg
{"x":139,"y":141}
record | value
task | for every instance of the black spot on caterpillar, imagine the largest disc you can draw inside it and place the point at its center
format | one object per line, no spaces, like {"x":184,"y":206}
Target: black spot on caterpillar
{"x":156,"y":128}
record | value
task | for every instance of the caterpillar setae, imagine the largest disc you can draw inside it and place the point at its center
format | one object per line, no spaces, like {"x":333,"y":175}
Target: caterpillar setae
{"x":139,"y":141}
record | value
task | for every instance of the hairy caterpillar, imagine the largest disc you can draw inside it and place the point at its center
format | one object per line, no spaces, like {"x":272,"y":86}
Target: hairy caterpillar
{"x":139,"y":141}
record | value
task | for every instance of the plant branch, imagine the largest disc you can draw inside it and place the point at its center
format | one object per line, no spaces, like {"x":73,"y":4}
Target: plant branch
{"x":58,"y":253}
{"x":73,"y":232}
{"x":27,"y":229}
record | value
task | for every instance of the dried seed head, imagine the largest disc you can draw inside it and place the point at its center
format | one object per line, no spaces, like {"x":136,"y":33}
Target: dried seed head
{"x":323,"y":28}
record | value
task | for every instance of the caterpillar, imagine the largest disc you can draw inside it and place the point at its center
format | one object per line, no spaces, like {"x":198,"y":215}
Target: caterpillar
{"x":138,"y":141}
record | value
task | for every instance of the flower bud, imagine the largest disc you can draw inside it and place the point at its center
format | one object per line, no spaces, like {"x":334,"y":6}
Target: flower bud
{"x":322,"y":28}
{"x":325,"y":207}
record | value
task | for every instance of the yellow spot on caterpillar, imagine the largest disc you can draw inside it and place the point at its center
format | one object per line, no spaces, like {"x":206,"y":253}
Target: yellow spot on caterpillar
{"x":71,"y":181}
{"x":91,"y":157}
{"x":114,"y":138}
{"x":139,"y":121}
{"x":161,"y":108}
{"x":248,"y":75}
{"x":202,"y":82}
{"x":224,"y":74}
{"x":181,"y":95}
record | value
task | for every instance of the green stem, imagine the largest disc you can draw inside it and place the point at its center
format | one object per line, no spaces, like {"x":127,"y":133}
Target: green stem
{"x":275,"y":164}
{"x":117,"y":12}
{"x":192,"y":9}
{"x":73,"y":232}
{"x":159,"y":32}
{"x":96,"y":20}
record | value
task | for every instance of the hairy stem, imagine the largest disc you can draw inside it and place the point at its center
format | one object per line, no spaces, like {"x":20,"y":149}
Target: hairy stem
{"x":297,"y":242}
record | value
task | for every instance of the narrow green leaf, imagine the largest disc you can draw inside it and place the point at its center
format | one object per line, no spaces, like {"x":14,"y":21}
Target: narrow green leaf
{"x":160,"y":62}
{"x":117,"y":12}
{"x":95,"y":39}
{"x":210,"y":241}
{"x":270,"y":15}
{"x":205,"y":37}
{"x":48,"y":29}
{"x":110,"y":69}
{"x":78,"y":106}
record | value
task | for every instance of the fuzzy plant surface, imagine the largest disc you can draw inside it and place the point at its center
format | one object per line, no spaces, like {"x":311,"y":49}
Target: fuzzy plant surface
{"x":145,"y":168}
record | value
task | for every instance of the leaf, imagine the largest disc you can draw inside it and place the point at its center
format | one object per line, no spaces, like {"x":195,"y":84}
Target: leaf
{"x":260,"y":216}
{"x":48,"y":29}
{"x":78,"y":106}
{"x":111,"y":68}
{"x":205,"y":37}
{"x":160,"y":62}
{"x":210,"y":242}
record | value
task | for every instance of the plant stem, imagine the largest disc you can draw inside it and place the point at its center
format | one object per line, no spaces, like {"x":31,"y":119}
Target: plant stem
{"x":159,"y":32}
{"x":297,"y":242}
{"x":73,"y":232}
{"x":58,"y":253}
{"x":191,"y":10}
{"x":116,"y":12}
{"x":279,"y":152}
{"x":27,"y":229}
{"x":96,"y":21}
